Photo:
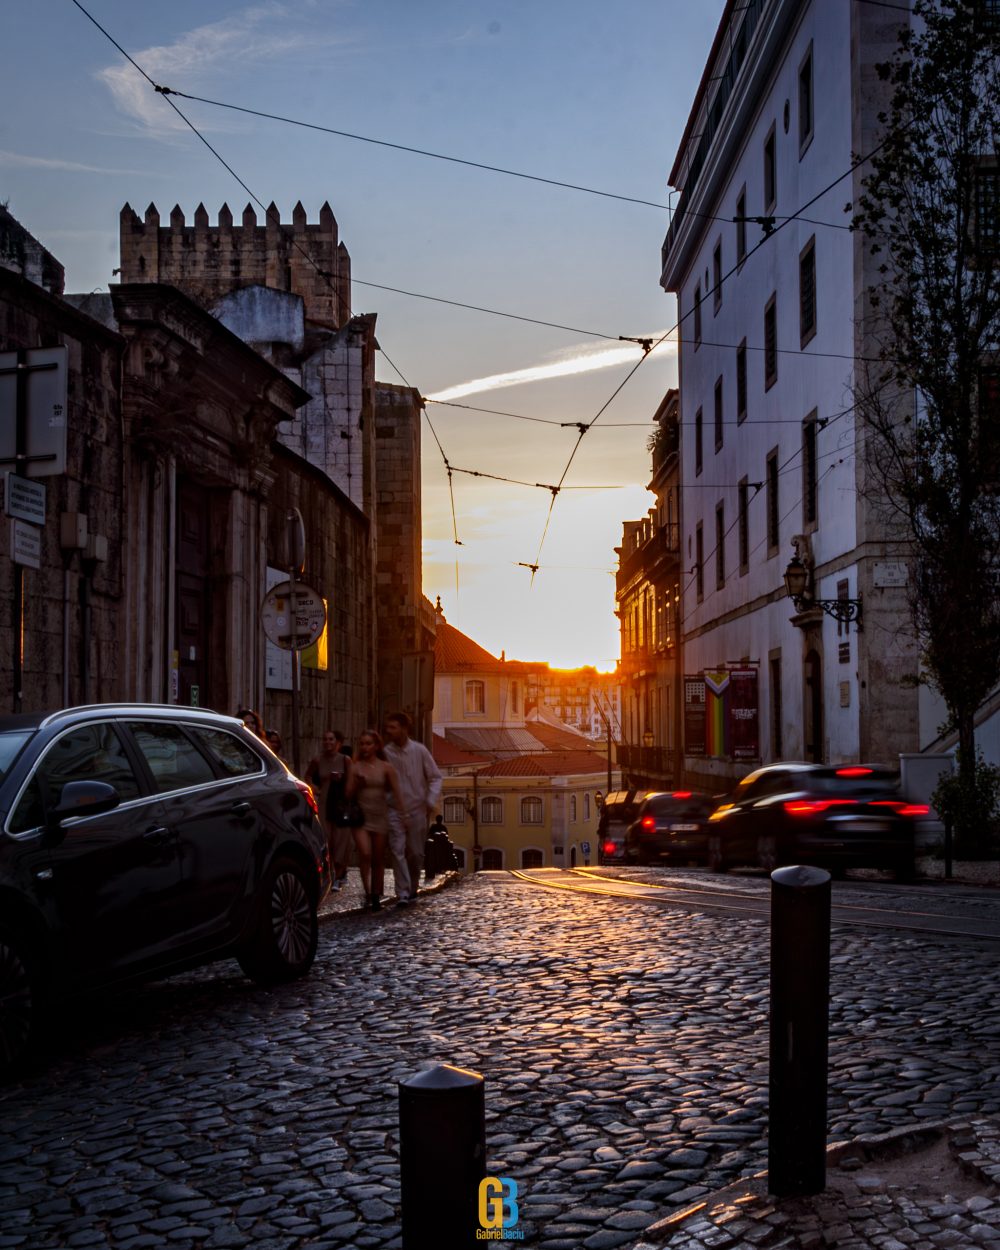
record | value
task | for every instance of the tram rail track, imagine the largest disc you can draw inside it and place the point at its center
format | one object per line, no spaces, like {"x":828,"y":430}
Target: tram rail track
{"x":750,"y":904}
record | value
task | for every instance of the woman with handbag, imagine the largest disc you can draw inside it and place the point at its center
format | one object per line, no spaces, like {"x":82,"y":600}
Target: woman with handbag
{"x":369,"y":783}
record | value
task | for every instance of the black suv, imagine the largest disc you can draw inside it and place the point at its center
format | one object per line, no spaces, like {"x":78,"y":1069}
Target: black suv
{"x":141,"y":839}
{"x":670,"y":826}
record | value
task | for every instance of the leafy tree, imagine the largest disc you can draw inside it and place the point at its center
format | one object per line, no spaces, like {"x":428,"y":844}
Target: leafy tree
{"x":929,"y":212}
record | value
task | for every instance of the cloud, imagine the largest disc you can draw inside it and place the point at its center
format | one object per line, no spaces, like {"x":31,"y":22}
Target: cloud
{"x":256,"y":35}
{"x":20,"y":160}
{"x":565,"y":365}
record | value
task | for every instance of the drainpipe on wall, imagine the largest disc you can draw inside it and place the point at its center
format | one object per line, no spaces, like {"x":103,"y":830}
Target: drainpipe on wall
{"x":173,"y":673}
{"x":65,"y":638}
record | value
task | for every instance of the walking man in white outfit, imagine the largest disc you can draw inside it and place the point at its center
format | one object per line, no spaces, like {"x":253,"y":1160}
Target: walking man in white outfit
{"x":420,"y":784}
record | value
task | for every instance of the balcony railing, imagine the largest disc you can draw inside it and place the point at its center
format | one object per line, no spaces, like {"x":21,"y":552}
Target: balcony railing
{"x":659,"y":547}
{"x":653,"y":765}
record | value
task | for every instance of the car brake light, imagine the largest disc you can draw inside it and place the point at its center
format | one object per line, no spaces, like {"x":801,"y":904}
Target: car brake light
{"x":812,"y":807}
{"x":648,"y":822}
{"x":901,"y":808}
{"x":609,"y":848}
{"x":681,"y":794}
{"x":854,"y":772}
{"x":306,"y":791}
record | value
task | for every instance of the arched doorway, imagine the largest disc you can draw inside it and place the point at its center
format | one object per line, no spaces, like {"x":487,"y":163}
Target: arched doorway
{"x":492,"y":859}
{"x":812,"y":673}
{"x":531,"y":857}
{"x":572,"y":857}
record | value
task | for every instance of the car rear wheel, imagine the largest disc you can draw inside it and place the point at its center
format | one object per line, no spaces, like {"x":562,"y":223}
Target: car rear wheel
{"x":19,"y":1002}
{"x":767,"y":852}
{"x":283,"y":944}
{"x":716,"y":863}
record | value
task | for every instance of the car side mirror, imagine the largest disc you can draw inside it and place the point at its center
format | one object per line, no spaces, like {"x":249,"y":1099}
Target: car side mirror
{"x":82,"y":798}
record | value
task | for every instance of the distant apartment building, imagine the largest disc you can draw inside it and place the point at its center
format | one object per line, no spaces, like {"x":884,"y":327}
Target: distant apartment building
{"x":774,"y":330}
{"x":519,"y":791}
{"x":647,"y":594}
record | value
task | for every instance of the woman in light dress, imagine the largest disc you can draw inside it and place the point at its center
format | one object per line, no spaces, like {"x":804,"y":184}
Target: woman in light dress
{"x":370,"y":782}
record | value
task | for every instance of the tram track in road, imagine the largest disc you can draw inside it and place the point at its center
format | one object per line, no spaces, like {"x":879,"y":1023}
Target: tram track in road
{"x":746,"y":903}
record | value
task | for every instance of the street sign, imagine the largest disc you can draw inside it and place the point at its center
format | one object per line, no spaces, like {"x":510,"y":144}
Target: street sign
{"x":585,"y":847}
{"x":24,"y":499}
{"x":40,"y":379}
{"x":26,"y":544}
{"x":276,"y":616}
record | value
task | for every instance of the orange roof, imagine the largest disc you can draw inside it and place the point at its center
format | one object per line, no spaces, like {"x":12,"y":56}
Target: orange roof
{"x":456,"y":652}
{"x":447,"y":754}
{"x":547,"y":764}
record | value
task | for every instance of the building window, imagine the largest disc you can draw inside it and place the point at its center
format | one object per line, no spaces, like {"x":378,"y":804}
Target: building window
{"x":531,"y":810}
{"x":744,"y":526}
{"x":720,"y":545}
{"x":806,"y":101}
{"x":697,"y":442}
{"x":514,"y":698}
{"x":718,"y":414}
{"x":741,"y":383}
{"x":770,"y":172}
{"x":699,"y":562}
{"x":807,"y":292}
{"x":987,"y":209}
{"x":531,"y":857}
{"x":771,"y":342}
{"x":475,"y":698}
{"x":741,"y":226}
{"x":777,"y":738}
{"x":697,"y":314}
{"x":773,"y":518}
{"x":492,"y":859}
{"x":491,"y":811}
{"x":809,"y":478}
{"x":586,"y":807}
{"x":572,"y":808}
{"x":454,"y":810}
{"x":717,"y":277}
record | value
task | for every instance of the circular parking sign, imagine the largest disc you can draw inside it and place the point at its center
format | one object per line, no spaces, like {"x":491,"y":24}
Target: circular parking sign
{"x":276,"y":616}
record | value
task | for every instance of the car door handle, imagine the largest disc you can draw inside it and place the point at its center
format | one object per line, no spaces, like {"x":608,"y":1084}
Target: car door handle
{"x":156,"y":834}
{"x":241,"y":809}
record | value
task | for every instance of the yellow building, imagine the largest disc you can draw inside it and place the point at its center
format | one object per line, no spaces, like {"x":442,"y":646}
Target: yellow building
{"x":522,"y":791}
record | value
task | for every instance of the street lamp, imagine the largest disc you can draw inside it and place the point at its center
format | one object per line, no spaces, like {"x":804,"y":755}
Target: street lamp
{"x":798,"y":587}
{"x":647,"y":738}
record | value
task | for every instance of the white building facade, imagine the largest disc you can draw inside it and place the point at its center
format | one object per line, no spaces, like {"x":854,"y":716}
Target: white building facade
{"x":773,"y":333}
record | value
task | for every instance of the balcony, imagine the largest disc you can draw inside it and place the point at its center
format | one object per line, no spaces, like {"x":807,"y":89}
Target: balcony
{"x":654,"y":557}
{"x":647,"y":766}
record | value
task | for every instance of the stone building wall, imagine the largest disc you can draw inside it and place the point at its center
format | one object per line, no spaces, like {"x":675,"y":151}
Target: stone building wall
{"x":70,"y":592}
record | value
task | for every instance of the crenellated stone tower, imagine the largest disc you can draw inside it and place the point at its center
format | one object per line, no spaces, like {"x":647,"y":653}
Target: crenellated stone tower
{"x":208,"y":262}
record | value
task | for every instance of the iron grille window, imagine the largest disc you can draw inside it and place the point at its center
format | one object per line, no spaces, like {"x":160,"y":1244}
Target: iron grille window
{"x":697,"y":442}
{"x":531,"y":811}
{"x":773,"y":517}
{"x":717,"y":277}
{"x":492,"y":811}
{"x":720,"y":545}
{"x":741,"y":382}
{"x":809,"y":480}
{"x":718,"y":414}
{"x":744,"y":527}
{"x":741,"y":226}
{"x":770,"y":173}
{"x":771,"y":343}
{"x":807,"y":292}
{"x":454,"y":810}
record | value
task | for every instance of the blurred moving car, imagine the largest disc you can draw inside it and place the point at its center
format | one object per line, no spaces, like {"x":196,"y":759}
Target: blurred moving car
{"x":618,"y":810}
{"x":672,"y":825}
{"x":836,"y":817}
{"x":143,"y":839}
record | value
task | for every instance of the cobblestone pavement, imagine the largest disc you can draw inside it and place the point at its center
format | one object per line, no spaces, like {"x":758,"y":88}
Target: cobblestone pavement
{"x":624,"y":1048}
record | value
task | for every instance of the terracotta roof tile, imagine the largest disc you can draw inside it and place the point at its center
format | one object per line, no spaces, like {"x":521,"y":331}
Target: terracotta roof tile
{"x":456,"y":652}
{"x":448,"y":754}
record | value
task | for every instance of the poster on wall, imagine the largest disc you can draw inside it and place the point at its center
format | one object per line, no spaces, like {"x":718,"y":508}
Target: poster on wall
{"x":694,"y":715}
{"x":716,"y":720}
{"x":742,"y":714}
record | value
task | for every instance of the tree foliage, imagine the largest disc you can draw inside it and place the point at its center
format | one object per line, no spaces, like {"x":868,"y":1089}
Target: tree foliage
{"x":929,"y":214}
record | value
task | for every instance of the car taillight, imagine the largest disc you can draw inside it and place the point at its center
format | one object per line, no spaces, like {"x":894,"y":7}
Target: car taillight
{"x":903,"y":809}
{"x":648,"y":822}
{"x":813,"y":807}
{"x":681,"y":794}
{"x":609,"y":848}
{"x":306,"y":791}
{"x":854,"y":772}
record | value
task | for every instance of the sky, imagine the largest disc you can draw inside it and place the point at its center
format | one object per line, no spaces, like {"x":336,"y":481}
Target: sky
{"x":578,"y":91}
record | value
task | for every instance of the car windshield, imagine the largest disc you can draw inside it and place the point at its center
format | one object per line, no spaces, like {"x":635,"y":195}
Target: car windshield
{"x":10,"y":748}
{"x":668,"y":805}
{"x":850,"y":783}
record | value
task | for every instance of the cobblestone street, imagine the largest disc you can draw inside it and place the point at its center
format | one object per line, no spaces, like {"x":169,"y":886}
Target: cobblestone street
{"x":624,"y":1048}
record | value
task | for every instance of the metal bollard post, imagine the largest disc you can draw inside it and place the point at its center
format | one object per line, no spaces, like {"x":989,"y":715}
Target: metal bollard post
{"x":800,"y":1005}
{"x":442,"y":1155}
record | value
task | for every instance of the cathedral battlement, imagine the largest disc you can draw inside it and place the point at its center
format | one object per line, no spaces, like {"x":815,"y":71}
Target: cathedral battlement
{"x":208,"y":262}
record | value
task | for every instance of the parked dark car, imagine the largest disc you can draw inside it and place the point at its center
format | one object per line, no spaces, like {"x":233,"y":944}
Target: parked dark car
{"x":618,"y":810}
{"x":671,"y":826}
{"x":141,"y":839}
{"x":837,"y":817}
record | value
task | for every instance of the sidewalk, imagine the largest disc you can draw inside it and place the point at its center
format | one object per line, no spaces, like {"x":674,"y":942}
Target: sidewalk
{"x":913,"y":1189}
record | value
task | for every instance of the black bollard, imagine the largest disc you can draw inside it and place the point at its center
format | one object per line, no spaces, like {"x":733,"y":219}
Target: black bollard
{"x":800,"y":1008}
{"x":442,"y":1156}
